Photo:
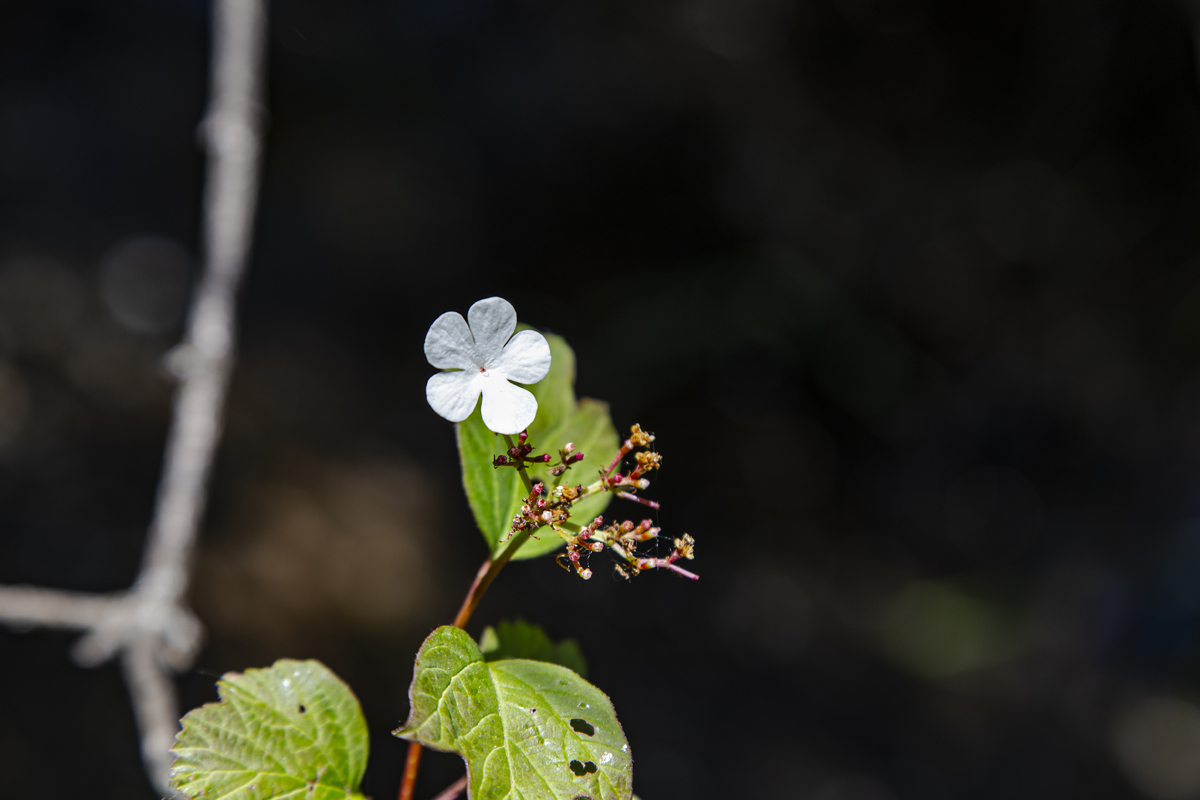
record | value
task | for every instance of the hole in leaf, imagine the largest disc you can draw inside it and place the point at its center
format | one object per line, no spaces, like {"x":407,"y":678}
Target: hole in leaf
{"x":583,"y":726}
{"x":533,"y":711}
{"x":302,"y":709}
{"x":578,"y":768}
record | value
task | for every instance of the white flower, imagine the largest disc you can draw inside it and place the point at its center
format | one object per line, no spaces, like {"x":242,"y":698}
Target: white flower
{"x":482,"y":358}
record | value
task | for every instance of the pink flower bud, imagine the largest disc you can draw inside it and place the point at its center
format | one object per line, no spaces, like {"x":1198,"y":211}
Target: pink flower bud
{"x":586,"y":574}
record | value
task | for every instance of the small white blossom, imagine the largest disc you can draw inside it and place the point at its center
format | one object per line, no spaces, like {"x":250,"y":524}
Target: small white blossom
{"x":479,"y":358}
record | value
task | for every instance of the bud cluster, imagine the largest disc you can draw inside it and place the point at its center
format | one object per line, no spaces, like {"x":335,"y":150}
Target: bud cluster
{"x":518,"y":455}
{"x":552,"y":508}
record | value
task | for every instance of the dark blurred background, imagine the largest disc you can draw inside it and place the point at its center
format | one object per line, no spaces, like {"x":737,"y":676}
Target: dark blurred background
{"x":908,"y":290}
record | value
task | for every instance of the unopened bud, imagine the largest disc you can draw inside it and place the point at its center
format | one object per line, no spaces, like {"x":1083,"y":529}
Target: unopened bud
{"x":597,"y":547}
{"x":525,"y":509}
{"x":544,"y":459}
{"x":570,"y":448}
{"x":541,"y":503}
{"x":586,"y":574}
{"x":547,"y":516}
{"x":538,"y":488}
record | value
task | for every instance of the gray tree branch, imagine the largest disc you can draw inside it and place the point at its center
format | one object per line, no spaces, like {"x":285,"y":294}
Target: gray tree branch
{"x":149,"y":627}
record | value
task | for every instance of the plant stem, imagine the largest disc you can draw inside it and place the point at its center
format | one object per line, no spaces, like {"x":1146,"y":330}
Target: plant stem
{"x":453,"y":790}
{"x":520,"y":466}
{"x":411,"y":764}
{"x":483,"y":579}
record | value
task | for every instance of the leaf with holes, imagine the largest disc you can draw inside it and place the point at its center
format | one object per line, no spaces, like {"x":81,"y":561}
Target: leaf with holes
{"x":525,"y":728}
{"x":496,"y":494}
{"x":521,"y":639}
{"x":293,"y":730}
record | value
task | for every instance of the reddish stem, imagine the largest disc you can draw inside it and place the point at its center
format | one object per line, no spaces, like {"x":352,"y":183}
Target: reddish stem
{"x":411,"y":764}
{"x":662,"y":562}
{"x":453,"y":790}
{"x":624,"y":451}
{"x":483,"y":579}
{"x":636,"y":499}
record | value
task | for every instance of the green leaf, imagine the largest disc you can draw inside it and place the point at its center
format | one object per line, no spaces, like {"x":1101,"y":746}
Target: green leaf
{"x":525,"y":728}
{"x":293,"y":730}
{"x":496,"y":494}
{"x":521,"y":639}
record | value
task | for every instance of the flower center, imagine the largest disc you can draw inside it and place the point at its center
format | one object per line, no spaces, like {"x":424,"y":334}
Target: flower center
{"x":483,"y":371}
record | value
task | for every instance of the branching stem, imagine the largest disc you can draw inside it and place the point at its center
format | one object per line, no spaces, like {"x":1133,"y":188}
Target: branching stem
{"x":483,"y":579}
{"x":520,"y":466}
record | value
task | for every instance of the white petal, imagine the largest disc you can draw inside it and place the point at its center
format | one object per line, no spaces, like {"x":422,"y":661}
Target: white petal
{"x":492,"y":321}
{"x":453,"y":394}
{"x":507,"y":408}
{"x":525,"y":359}
{"x":449,"y":345}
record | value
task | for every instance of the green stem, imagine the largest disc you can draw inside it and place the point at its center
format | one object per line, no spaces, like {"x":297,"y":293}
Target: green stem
{"x":520,"y":466}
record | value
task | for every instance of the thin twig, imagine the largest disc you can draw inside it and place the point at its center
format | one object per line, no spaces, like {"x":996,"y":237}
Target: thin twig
{"x":453,"y":790}
{"x":150,"y":626}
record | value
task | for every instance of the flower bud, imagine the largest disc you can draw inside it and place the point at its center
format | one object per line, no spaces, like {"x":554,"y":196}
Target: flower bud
{"x":538,"y":488}
{"x":547,"y":516}
{"x":586,"y":574}
{"x":597,"y":547}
